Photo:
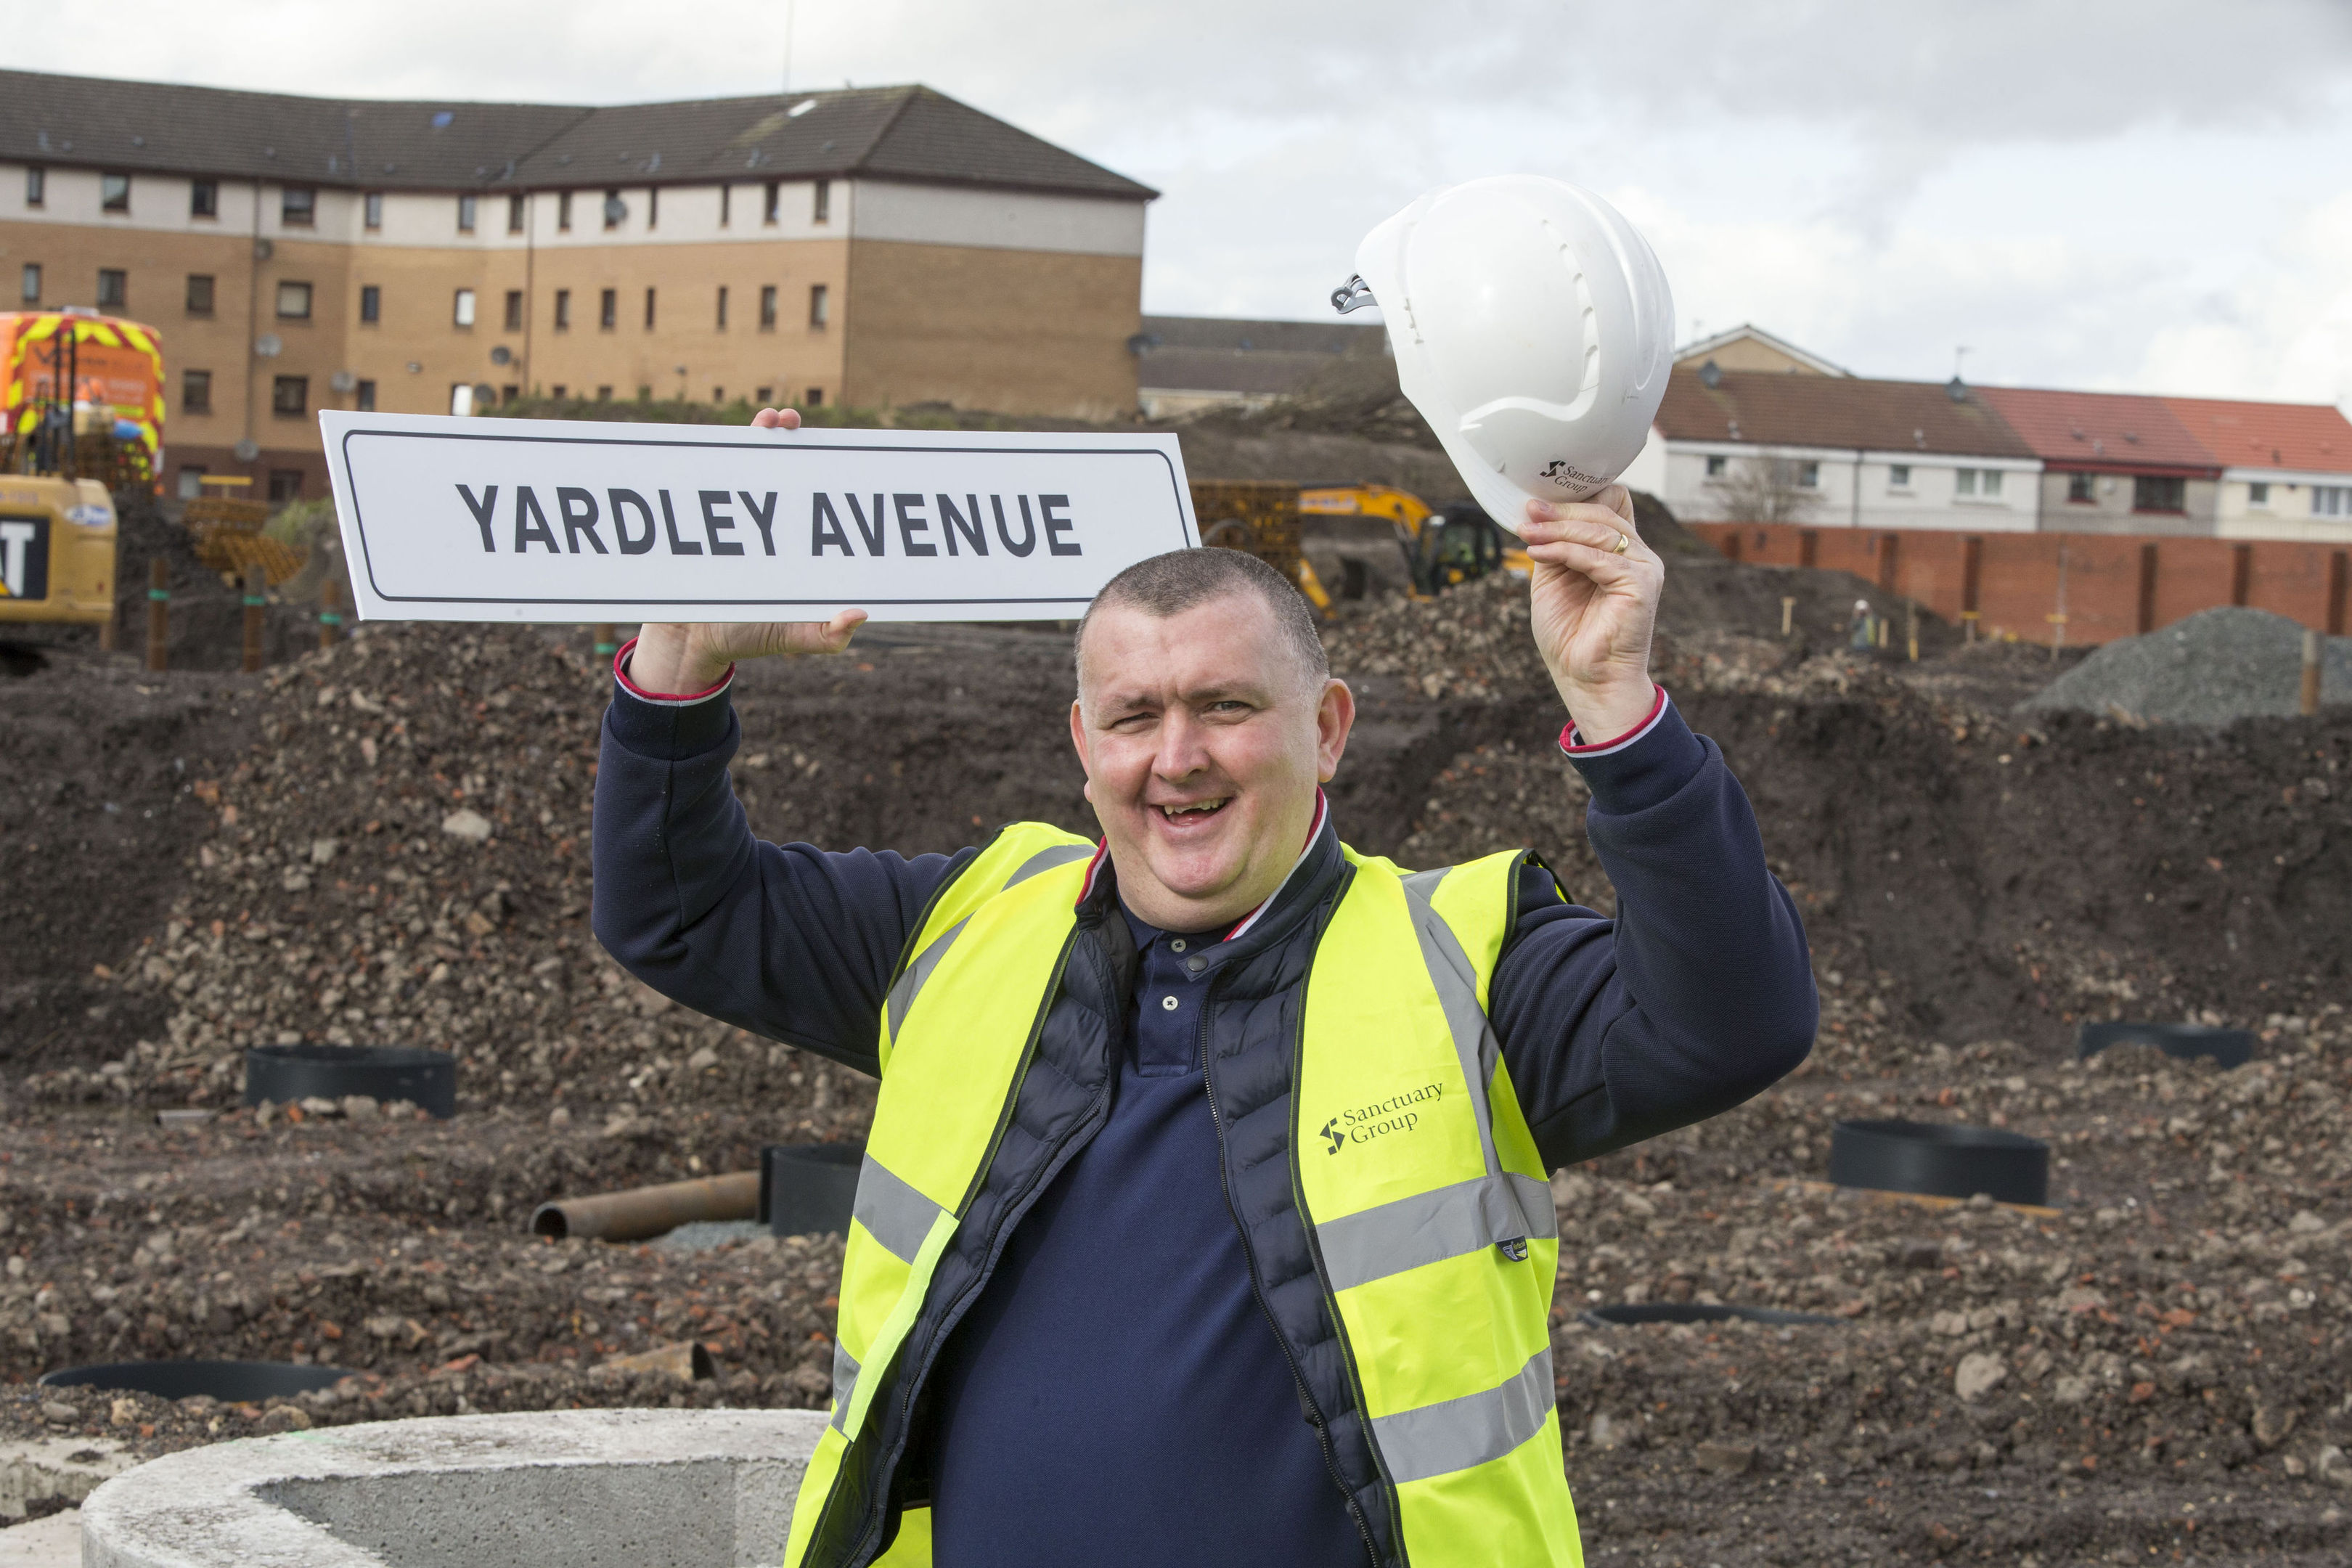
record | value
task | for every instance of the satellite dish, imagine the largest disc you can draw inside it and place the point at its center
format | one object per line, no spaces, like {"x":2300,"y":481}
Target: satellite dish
{"x":247,"y":449}
{"x":502,"y":355}
{"x":342,"y":380}
{"x":615,"y":210}
{"x":269,"y":345}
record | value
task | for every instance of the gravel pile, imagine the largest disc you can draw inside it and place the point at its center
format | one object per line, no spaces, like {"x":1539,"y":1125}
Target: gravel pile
{"x":2214,"y":667}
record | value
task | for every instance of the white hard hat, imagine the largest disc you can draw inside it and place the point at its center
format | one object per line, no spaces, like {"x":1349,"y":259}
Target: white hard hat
{"x":1532,"y":328}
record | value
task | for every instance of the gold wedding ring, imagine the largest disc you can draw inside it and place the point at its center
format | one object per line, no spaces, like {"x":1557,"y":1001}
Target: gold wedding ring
{"x":1624,"y":542}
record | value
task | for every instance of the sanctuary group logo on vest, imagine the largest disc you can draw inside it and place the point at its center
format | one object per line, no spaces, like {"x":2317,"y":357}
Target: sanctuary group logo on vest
{"x":1399,"y":1113}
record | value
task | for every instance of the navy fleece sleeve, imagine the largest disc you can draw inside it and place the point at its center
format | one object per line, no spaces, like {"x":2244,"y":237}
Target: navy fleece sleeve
{"x":786,"y":941}
{"x":1698,"y":995}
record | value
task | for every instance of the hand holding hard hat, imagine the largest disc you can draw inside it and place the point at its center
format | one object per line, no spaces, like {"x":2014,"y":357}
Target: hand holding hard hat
{"x":1533,"y":328}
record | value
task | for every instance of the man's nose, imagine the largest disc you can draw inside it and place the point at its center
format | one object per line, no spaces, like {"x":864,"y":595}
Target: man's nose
{"x":1183,"y":749}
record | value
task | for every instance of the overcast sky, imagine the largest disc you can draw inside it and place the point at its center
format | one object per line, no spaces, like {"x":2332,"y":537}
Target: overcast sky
{"x":2143,"y":195}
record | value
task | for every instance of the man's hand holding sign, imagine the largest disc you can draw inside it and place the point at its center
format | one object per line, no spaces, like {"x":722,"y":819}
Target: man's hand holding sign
{"x":1205,"y":1208}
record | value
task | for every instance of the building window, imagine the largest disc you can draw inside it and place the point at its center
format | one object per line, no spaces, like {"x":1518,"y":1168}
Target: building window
{"x":563,"y":312}
{"x":718,"y":394}
{"x":113,"y":289}
{"x":32,"y":286}
{"x":653,"y":207}
{"x":1982,"y":483}
{"x":2150,"y":493}
{"x":1809,"y":476}
{"x":608,"y":309}
{"x":2328,"y":500}
{"x":114,"y":193}
{"x":204,"y":198}
{"x":298,"y":207}
{"x":769,"y":195}
{"x":768,"y":307}
{"x":649,"y":310}
{"x":614,"y":209}
{"x":293,"y":301}
{"x":1898,"y":475}
{"x":463,"y":313}
{"x":196,"y":391}
{"x":370,"y":304}
{"x":514,"y":214}
{"x":816,"y":398}
{"x":2083,"y":488}
{"x":465,"y":214}
{"x":365,"y":399}
{"x":819,"y":305}
{"x":2258,"y":493}
{"x":603,"y":394}
{"x":645,"y":395}
{"x":191,"y":481}
{"x":514,"y":310}
{"x":372,"y":205}
{"x":820,"y":205}
{"x":563,"y":212}
{"x":722,"y":307}
{"x":510,"y":394}
{"x":37,"y":186}
{"x":726,"y":204}
{"x":1715,"y":467}
{"x":290,"y":396}
{"x":558,"y":391}
{"x":200,"y":294}
{"x":761,"y":396}
{"x":285,"y":485}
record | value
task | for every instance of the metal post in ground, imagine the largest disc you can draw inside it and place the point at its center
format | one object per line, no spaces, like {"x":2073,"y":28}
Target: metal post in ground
{"x":159,"y":614}
{"x":257,"y":603}
{"x":606,"y":647}
{"x":330,"y":613}
{"x":2310,"y":703}
{"x":1788,"y":615}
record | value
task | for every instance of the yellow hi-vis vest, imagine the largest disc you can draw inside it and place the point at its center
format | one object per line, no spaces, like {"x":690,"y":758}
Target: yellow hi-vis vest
{"x":1428,"y":1205}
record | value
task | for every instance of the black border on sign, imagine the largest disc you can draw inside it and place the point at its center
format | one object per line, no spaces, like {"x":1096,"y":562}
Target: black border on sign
{"x":1184,"y":523}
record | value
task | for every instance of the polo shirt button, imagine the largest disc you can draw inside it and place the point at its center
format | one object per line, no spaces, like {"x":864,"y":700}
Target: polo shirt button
{"x":1168,"y":1004}
{"x":1196,"y":965}
{"x":1177,"y":944}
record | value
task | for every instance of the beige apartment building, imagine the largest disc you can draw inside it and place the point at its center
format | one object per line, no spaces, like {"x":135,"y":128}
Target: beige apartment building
{"x":869,"y":246}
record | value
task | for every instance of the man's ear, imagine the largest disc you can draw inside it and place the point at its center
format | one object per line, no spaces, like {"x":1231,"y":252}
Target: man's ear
{"x":1078,"y":744}
{"x":1335,"y":715}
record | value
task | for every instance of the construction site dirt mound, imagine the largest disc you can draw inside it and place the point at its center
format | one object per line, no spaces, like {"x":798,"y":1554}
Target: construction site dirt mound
{"x":2213,"y":667}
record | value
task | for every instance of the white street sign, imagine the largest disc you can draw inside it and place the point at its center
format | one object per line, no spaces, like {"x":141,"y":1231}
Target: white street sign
{"x":515,"y":520}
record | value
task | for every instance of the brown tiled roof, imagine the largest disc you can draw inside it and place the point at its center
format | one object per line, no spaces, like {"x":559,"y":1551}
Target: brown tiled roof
{"x":2108,"y":430}
{"x":893,"y":132}
{"x":2307,"y":436}
{"x":1774,"y":409}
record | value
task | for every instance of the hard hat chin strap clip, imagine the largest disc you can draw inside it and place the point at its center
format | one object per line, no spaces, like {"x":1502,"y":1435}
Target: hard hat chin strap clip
{"x":1352,"y":295}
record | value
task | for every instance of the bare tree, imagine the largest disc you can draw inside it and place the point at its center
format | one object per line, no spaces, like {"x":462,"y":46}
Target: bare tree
{"x":1769,"y":489}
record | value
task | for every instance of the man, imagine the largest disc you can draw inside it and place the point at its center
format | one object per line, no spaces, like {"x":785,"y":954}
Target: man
{"x":1204,"y":1218}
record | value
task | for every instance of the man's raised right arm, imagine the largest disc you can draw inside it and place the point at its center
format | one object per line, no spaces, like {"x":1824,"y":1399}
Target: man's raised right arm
{"x":789,"y":941}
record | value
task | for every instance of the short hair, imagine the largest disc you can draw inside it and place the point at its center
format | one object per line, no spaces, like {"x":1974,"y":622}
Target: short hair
{"x":1169,"y":584}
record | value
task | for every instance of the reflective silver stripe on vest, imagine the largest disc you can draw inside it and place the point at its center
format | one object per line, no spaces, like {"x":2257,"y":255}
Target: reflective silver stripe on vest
{"x":845,"y":1380}
{"x":1456,"y":1434}
{"x":902,"y":994}
{"x":1474,"y":1046}
{"x":1428,"y":1228}
{"x":893,"y":1213}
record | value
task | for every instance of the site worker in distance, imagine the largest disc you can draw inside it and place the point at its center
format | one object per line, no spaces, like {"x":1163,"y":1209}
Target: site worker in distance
{"x":1205,"y":1221}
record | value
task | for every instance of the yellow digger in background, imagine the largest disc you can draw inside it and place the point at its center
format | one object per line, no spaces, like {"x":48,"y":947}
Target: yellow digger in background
{"x":1441,"y":546}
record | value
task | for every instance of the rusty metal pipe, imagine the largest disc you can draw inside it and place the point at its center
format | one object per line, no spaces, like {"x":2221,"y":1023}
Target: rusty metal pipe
{"x":642,"y":1213}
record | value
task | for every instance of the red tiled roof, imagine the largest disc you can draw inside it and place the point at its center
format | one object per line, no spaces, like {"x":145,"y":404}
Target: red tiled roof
{"x":2120,"y":432}
{"x":2307,"y":436}
{"x":1772,"y":408}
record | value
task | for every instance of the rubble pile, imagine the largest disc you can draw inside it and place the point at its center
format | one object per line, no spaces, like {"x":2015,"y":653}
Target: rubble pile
{"x":403,"y":860}
{"x":2212,"y":667}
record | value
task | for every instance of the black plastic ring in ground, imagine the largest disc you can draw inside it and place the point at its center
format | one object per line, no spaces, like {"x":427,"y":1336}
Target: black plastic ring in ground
{"x":2228,"y":1048}
{"x":276,"y":1075}
{"x":807,"y":1189}
{"x":1696,"y":1313}
{"x":1944,"y":1160}
{"x":230,"y":1382}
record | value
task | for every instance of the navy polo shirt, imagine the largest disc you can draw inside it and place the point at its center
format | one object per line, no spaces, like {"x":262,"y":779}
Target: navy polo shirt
{"x":1118,"y":1372}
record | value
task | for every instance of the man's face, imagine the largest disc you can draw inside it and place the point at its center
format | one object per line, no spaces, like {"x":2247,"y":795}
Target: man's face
{"x":1202,"y":742}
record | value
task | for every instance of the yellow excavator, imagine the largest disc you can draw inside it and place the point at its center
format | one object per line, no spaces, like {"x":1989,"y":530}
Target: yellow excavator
{"x":1441,"y":546}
